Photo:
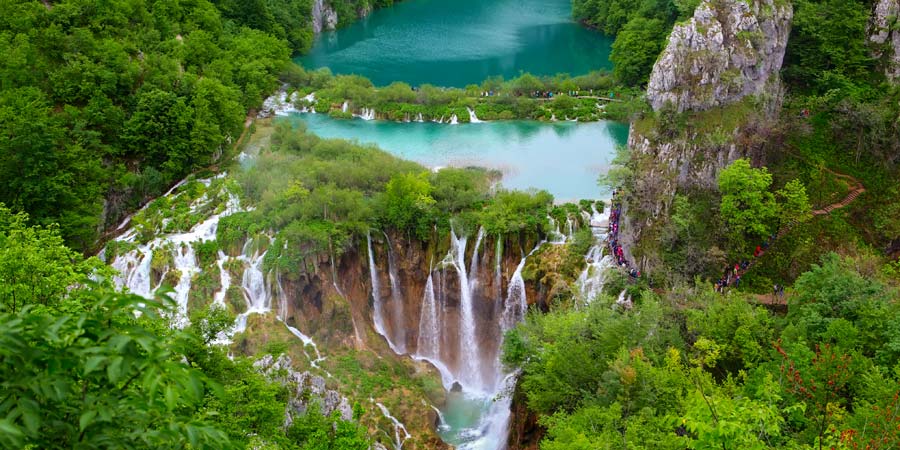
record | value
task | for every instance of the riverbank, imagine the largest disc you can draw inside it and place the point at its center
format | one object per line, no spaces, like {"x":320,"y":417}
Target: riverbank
{"x":587,"y":98}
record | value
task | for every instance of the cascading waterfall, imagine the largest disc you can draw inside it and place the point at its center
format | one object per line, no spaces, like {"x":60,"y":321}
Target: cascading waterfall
{"x":254,"y":286}
{"x":135,"y":266}
{"x":556,"y":237}
{"x":454,"y":120}
{"x":398,"y":427}
{"x":469,"y":372}
{"x":366,"y":114}
{"x":590,"y":282}
{"x":419,"y":118}
{"x":397,"y":313}
{"x":473,"y":266}
{"x":429,"y":333}
{"x":345,"y":106}
{"x":472,"y":117}
{"x":224,"y":280}
{"x":377,"y":304}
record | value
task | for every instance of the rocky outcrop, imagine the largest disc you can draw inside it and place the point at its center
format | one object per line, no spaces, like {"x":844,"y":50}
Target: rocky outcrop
{"x":324,"y":17}
{"x":716,"y":93}
{"x":885,"y":37}
{"x":689,"y":162}
{"x":730,"y":49}
{"x":305,"y":389}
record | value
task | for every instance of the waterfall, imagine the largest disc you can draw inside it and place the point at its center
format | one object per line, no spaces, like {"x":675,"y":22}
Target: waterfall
{"x":134,"y":271}
{"x":429,"y":333}
{"x":469,"y":370}
{"x":419,"y":118}
{"x":253,"y":285}
{"x":516,"y":303}
{"x":398,"y":314}
{"x":366,"y":114}
{"x":442,"y":423}
{"x":473,"y":265}
{"x":454,"y":120}
{"x":377,"y":305}
{"x":345,"y":106}
{"x":556,"y":237}
{"x":570,"y":226}
{"x":398,"y":427}
{"x":590,"y":282}
{"x":472,"y":117}
{"x":224,"y":280}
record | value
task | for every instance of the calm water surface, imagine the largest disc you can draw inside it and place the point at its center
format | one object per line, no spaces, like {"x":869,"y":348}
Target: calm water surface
{"x":564,"y":158}
{"x":458,"y":42}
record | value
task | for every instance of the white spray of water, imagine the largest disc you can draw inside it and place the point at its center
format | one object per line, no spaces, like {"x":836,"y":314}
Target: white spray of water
{"x":472,"y":117}
{"x":397,"y":312}
{"x":398,"y":427}
{"x":429,"y":333}
{"x":377,"y":304}
{"x":470,"y":370}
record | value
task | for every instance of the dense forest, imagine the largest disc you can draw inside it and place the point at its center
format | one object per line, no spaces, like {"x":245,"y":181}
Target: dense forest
{"x":105,"y":106}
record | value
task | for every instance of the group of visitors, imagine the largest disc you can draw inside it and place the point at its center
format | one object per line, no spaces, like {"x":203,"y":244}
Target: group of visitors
{"x":617,"y":251}
{"x":732,"y":275}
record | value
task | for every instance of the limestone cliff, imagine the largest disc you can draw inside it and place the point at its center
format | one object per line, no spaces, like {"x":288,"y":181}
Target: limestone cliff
{"x":730,"y":49}
{"x":305,"y":388}
{"x":719,"y":74}
{"x":324,"y":17}
{"x":885,"y":37}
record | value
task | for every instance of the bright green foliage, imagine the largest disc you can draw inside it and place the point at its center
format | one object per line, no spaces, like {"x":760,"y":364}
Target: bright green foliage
{"x":793,"y":203}
{"x":835,"y":304}
{"x":698,"y":370}
{"x":636,"y":48}
{"x":747,"y":208}
{"x":118,"y":100}
{"x":99,"y":379}
{"x":407,"y":200}
{"x":37,"y":269}
{"x":515,"y":211}
{"x":719,"y":419}
{"x":828,"y":49}
{"x":313,"y":431}
{"x":511,"y":99}
{"x":641,"y":28}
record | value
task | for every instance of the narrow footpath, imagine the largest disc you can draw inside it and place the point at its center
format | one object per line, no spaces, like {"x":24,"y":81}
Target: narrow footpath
{"x":732,"y":274}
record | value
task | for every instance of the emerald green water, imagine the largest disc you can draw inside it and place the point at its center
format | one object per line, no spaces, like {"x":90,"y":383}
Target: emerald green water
{"x":565,"y":158}
{"x":457,"y":42}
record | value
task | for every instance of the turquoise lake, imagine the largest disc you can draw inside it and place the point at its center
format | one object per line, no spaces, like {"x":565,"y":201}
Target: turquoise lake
{"x":458,"y":42}
{"x":564,"y":158}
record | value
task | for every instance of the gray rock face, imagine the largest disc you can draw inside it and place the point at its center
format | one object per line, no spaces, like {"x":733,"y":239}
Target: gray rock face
{"x":727,"y":51}
{"x":306,"y":388}
{"x":886,"y":40}
{"x":324,"y":17}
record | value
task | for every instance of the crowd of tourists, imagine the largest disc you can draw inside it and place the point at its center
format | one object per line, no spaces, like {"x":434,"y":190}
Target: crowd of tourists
{"x":615,"y":247}
{"x":732,"y":274}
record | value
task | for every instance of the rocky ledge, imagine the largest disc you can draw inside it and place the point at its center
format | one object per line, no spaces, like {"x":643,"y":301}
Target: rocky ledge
{"x":727,"y":51}
{"x":305,"y":388}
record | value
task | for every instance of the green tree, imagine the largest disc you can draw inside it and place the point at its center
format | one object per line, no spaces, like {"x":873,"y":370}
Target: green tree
{"x":793,"y":203}
{"x":408,"y":202}
{"x":99,"y":379}
{"x":37,"y":269}
{"x":636,"y":48}
{"x":747,"y":206}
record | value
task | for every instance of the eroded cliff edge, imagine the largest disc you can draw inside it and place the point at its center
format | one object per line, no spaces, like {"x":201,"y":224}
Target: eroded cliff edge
{"x":715,"y":92}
